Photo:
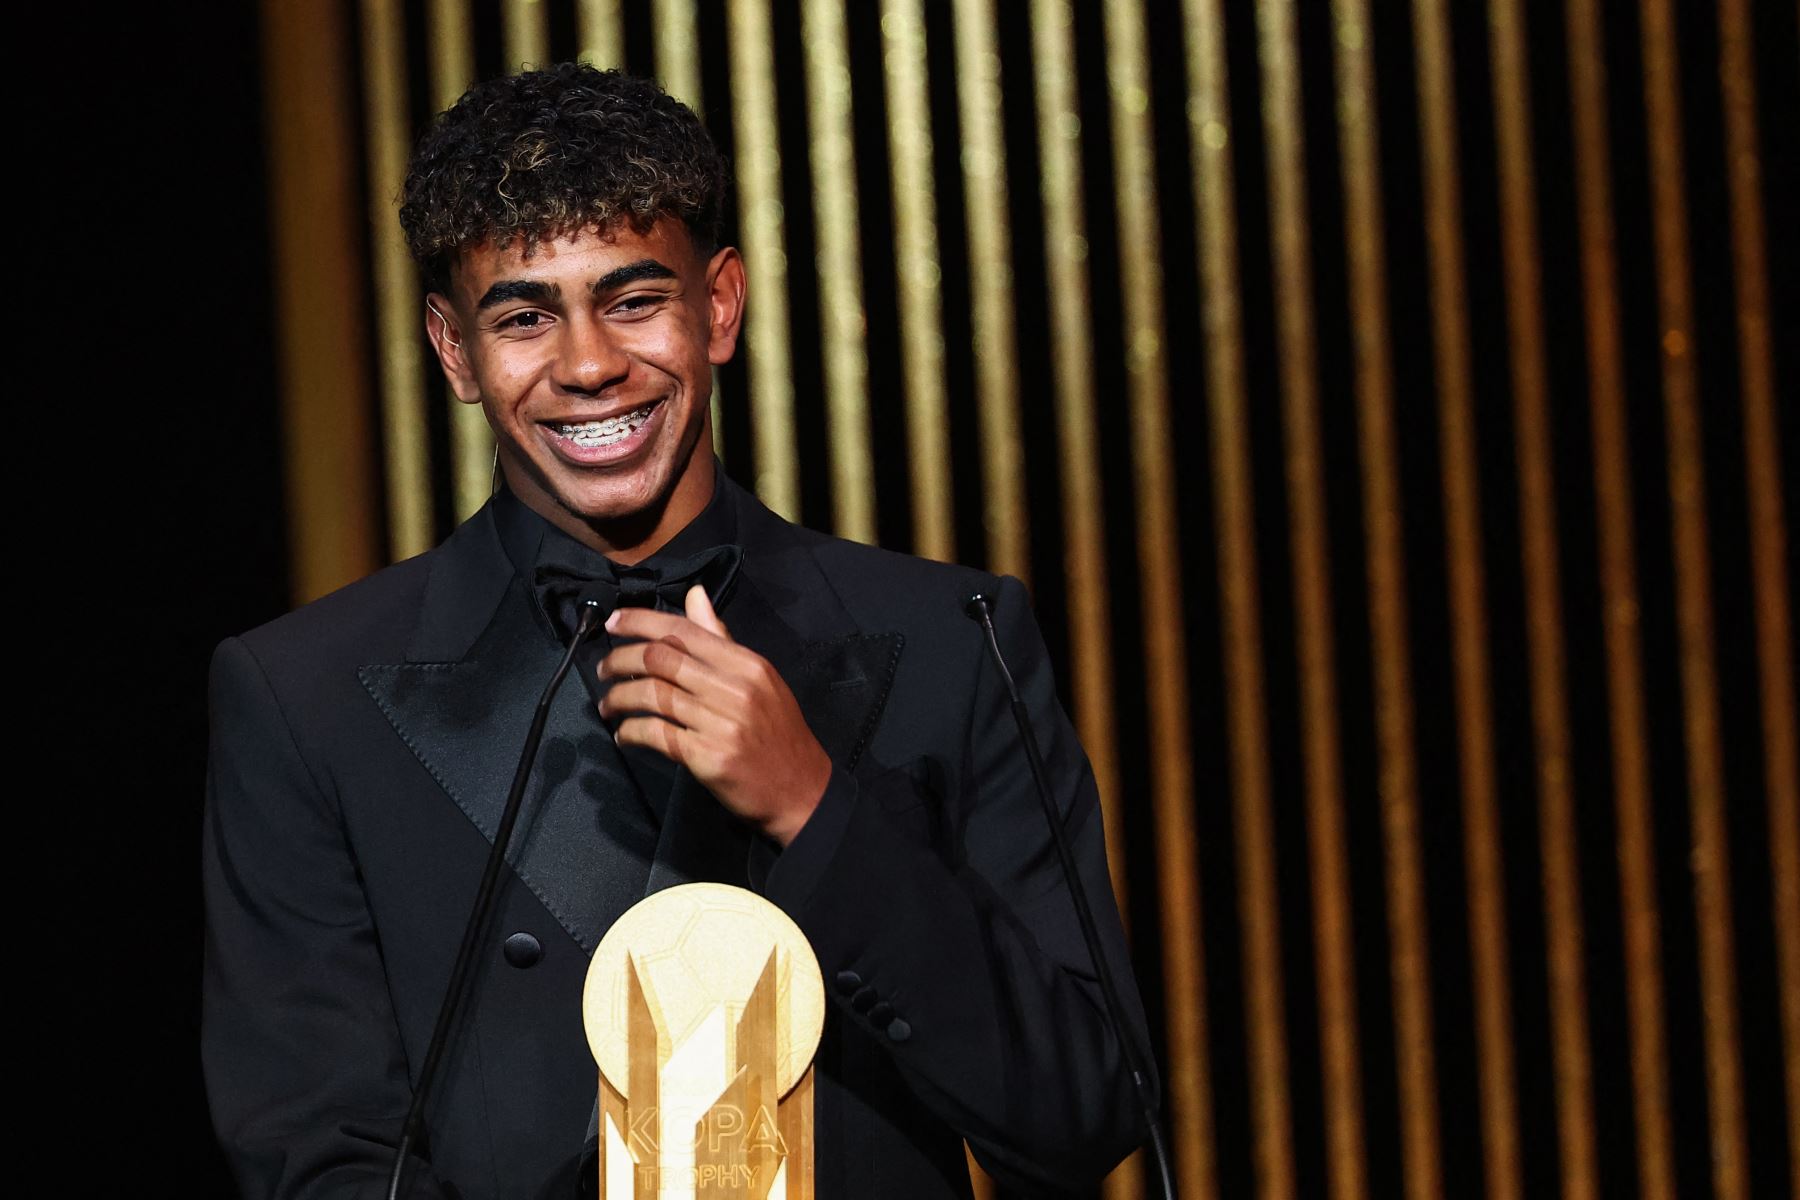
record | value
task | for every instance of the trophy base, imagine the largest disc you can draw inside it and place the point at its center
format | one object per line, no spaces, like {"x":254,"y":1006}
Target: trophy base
{"x":703,"y":1007}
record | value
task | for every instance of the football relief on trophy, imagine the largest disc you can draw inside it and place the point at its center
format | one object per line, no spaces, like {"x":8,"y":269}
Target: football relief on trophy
{"x":703,"y":1008}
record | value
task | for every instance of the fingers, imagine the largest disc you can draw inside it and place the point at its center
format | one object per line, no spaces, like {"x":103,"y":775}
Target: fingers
{"x":700,"y":612}
{"x":668,"y":740}
{"x":647,"y":623}
{"x":712,"y":658}
{"x":670,"y":659}
{"x":652,"y":696}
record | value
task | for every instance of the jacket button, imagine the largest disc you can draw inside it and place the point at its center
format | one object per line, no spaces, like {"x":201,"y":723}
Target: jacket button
{"x":898,"y":1030}
{"x":863,"y":998}
{"x":522,"y":950}
{"x":882,"y":1013}
{"x":848,"y":981}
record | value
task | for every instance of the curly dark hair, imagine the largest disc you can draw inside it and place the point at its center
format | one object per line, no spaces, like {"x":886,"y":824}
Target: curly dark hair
{"x":545,"y":153}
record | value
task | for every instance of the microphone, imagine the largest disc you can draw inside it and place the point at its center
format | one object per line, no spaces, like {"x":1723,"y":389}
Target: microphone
{"x":980,"y":608}
{"x":484,"y":904}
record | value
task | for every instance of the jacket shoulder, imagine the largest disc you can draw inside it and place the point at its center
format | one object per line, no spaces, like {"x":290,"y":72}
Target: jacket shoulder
{"x":880,"y":588}
{"x":888,"y":586}
{"x":368,"y":620}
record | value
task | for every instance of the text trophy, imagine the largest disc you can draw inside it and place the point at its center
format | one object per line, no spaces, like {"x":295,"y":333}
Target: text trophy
{"x":703,"y":1008}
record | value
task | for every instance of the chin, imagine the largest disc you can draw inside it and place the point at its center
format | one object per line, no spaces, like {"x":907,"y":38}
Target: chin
{"x":639,"y":493}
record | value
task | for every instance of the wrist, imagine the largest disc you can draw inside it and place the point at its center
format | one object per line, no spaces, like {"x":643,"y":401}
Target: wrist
{"x":788,"y":823}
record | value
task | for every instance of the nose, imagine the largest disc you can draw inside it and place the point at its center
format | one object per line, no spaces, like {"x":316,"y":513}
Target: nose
{"x":589,"y":359}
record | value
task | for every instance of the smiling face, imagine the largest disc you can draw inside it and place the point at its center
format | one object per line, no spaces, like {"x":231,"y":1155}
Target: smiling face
{"x":591,"y":356}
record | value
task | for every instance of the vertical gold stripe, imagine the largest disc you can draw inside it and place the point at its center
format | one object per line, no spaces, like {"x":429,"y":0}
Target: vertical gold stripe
{"x":1387,"y":599}
{"x":1258,"y":907}
{"x":1762,"y":476}
{"x":1152,"y":454}
{"x":600,"y":26}
{"x":1072,"y":365}
{"x":1090,"y":611}
{"x":842,"y":322}
{"x":1333,"y":939}
{"x":332,"y":510}
{"x":1618,"y":594}
{"x":1089,"y":605}
{"x":919,"y":270}
{"x":525,"y":35}
{"x":677,"y":36}
{"x":990,"y":285}
{"x":1474,"y":707}
{"x":452,"y":71}
{"x":397,"y":313}
{"x":765,"y":254}
{"x":1549,"y":697}
{"x":1693,"y":606}
{"x":452,"y":51}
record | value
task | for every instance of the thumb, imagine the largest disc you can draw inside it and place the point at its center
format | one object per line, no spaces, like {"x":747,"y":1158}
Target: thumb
{"x":700,"y":612}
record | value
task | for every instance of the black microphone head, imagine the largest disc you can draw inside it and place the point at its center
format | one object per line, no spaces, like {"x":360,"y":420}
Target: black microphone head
{"x":592,"y":614}
{"x":978,"y":607}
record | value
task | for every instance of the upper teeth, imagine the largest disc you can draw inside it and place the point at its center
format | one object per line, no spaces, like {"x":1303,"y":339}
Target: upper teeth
{"x":604,"y":433}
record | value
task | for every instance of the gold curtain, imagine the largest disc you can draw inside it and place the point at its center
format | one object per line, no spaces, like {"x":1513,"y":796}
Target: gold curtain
{"x":1381,"y":402}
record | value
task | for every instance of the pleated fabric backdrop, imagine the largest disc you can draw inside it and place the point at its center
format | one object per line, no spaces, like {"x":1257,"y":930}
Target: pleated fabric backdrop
{"x":1387,"y":404}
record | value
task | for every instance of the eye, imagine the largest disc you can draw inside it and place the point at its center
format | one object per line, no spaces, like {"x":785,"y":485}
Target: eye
{"x":641,"y":304}
{"x":525,"y":320}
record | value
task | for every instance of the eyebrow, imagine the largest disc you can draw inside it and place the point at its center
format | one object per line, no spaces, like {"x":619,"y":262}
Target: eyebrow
{"x":539,"y":291}
{"x":518,"y":289}
{"x":643,"y":268}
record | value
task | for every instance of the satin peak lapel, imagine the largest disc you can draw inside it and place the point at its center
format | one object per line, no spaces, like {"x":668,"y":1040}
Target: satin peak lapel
{"x":467,"y":721}
{"x":842,"y":686}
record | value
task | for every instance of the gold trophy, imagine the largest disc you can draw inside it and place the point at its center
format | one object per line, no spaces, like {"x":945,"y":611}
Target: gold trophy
{"x":703,"y":1008}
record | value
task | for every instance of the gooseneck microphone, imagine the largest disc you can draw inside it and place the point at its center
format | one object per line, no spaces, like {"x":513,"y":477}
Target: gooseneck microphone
{"x":484,"y":904}
{"x":980,"y":609}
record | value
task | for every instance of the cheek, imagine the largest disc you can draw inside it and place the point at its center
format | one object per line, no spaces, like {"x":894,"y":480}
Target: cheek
{"x":671,"y":351}
{"x":510,"y":376}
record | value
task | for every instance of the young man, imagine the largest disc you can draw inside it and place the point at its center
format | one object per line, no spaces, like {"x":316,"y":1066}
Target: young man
{"x":801,"y":715}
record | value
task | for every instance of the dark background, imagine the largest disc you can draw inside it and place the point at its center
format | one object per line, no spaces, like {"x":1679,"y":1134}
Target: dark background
{"x":175,"y":526}
{"x":146,"y":162}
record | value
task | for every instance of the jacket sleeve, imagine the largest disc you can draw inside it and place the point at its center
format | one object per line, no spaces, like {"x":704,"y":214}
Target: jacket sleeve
{"x":968,"y":953}
{"x":304,"y":1071}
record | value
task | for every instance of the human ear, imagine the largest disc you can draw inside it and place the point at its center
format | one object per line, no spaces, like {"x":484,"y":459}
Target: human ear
{"x":725,"y":304}
{"x":447,"y":340}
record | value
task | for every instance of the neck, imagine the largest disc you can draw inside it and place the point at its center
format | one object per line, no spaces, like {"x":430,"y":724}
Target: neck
{"x":635,"y":536}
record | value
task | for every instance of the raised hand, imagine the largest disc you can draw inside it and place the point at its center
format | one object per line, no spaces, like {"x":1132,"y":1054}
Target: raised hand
{"x":691,"y":693}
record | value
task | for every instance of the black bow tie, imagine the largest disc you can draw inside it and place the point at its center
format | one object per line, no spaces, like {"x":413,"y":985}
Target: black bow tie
{"x":565,"y":581}
{"x":562,"y":588}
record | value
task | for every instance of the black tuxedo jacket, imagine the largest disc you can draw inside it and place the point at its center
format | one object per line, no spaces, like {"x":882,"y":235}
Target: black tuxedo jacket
{"x":361,"y":751}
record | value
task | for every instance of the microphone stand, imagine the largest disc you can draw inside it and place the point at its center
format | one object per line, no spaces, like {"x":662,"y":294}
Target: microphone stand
{"x":484,"y":904}
{"x":979,"y":608}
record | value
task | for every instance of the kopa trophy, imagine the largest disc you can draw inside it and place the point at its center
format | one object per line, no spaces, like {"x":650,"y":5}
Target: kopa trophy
{"x":703,"y":1008}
